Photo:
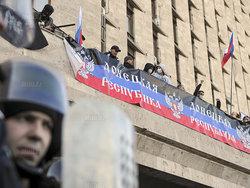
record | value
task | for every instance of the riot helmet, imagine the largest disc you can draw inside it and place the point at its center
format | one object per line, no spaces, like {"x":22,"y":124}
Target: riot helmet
{"x":25,"y":86}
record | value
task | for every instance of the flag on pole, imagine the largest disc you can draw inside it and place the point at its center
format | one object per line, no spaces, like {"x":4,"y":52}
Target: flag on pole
{"x":78,"y":36}
{"x":229,"y":51}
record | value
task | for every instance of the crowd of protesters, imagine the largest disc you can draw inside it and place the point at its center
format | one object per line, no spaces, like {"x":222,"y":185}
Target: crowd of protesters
{"x":159,"y":71}
{"x":30,"y":125}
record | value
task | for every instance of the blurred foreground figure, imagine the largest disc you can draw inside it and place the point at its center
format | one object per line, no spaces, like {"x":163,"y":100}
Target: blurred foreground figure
{"x":55,"y":170}
{"x":33,"y":101}
{"x":98,"y":147}
{"x":17,"y":23}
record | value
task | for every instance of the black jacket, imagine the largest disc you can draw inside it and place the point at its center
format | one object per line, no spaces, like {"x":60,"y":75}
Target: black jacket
{"x":149,"y":66}
{"x":128,"y":66}
{"x":8,"y":177}
{"x":197,"y":89}
{"x":110,"y":55}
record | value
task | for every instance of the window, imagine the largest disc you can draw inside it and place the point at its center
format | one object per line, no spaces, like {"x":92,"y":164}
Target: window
{"x":195,"y":52}
{"x":130,"y":21}
{"x":175,"y":31}
{"x":103,"y":27}
{"x":103,"y":3}
{"x":225,"y":4}
{"x":155,"y":45}
{"x":153,"y":4}
{"x":174,"y":4}
{"x":242,"y":10}
{"x":131,"y":52}
{"x":242,"y":3}
{"x":178,"y":74}
{"x":39,"y":4}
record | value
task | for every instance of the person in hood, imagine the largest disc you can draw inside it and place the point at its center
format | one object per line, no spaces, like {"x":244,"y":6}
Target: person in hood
{"x":128,"y":62}
{"x":113,"y":52}
{"x":44,"y":16}
{"x":149,"y":68}
{"x":246,"y":120}
{"x":160,"y":72}
{"x":33,"y":101}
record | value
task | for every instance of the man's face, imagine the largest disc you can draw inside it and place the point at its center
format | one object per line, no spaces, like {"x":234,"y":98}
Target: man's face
{"x":201,"y":94}
{"x":29,"y":136}
{"x":114,"y":52}
{"x":150,"y":71}
{"x":181,"y":87}
{"x":245,"y":119}
{"x":159,"y":70}
{"x":130,"y":61}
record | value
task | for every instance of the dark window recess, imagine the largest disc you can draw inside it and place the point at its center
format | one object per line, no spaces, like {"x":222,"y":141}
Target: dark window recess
{"x":225,"y":3}
{"x":131,"y":52}
{"x":175,"y":30}
{"x":153,"y":9}
{"x":196,"y":77}
{"x":242,"y":10}
{"x":103,"y":3}
{"x":130,"y":21}
{"x":241,"y":2}
{"x":173,"y":4}
{"x":103,"y":31}
{"x":178,"y":74}
{"x":155,"y":44}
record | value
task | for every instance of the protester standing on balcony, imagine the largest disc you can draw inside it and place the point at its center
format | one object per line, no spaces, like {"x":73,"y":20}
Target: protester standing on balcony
{"x":113,"y":52}
{"x":246,"y":120}
{"x":160,"y":72}
{"x":199,"y":93}
{"x":44,"y":16}
{"x":128,"y":62}
{"x":149,"y":68}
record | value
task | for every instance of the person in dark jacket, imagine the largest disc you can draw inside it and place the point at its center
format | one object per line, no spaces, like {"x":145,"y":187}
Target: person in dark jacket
{"x":44,"y":16}
{"x":113,"y":52}
{"x":128,"y":62}
{"x":33,"y":101}
{"x":200,"y":94}
{"x":149,"y":68}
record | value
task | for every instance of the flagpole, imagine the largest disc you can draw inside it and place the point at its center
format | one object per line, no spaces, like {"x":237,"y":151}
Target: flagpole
{"x":231,"y":94}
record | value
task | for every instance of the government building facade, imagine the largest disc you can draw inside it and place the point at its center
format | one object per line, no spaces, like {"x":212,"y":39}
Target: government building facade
{"x":189,"y":37}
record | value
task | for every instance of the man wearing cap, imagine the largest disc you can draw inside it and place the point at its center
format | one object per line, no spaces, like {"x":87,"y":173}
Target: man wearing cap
{"x":33,"y":101}
{"x":113,"y":52}
{"x":128,"y":62}
{"x":44,"y":16}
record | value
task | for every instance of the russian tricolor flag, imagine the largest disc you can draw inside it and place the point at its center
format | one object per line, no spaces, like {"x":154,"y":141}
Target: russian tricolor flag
{"x":229,"y":51}
{"x":78,"y":36}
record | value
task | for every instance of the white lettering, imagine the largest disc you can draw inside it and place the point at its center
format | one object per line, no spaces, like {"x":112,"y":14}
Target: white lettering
{"x":158,"y":104}
{"x":130,"y":93}
{"x":126,"y":76}
{"x":138,"y":94}
{"x":117,"y":89}
{"x":104,"y":80}
{"x":113,"y":68}
{"x":155,"y":88}
{"x":192,"y":106}
{"x":106,"y":66}
{"x":203,"y":110}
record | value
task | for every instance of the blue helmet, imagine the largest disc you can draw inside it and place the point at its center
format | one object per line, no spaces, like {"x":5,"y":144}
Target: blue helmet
{"x":27,"y":86}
